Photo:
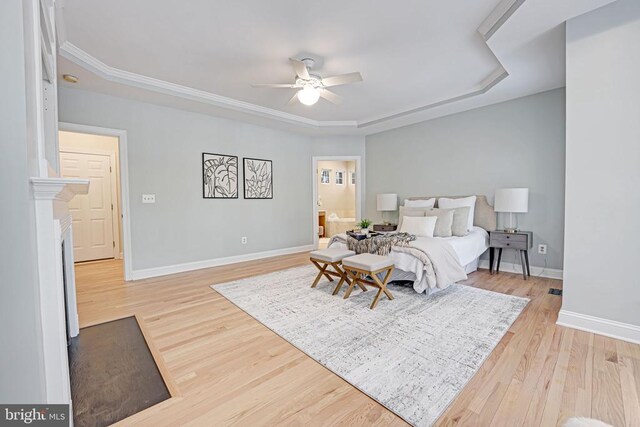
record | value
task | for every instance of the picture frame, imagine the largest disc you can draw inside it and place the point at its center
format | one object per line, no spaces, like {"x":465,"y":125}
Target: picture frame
{"x":258,"y":178}
{"x":219,"y":176}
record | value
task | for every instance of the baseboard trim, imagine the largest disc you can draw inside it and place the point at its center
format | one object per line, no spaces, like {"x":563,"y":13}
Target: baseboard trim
{"x":549,"y":273}
{"x":207,"y":263}
{"x":600,"y":326}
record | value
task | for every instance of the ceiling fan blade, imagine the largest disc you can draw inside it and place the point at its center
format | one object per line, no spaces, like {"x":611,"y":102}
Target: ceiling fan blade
{"x":300,"y":69}
{"x":330,"y":96}
{"x":342,"y":79}
{"x":293,"y":99}
{"x":283,"y":85}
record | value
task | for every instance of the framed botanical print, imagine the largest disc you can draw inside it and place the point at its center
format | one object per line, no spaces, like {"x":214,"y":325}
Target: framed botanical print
{"x":258,"y":179}
{"x":219,"y":176}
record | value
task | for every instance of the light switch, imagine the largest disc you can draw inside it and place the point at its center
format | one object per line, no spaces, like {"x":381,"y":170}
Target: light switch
{"x":148,"y":198}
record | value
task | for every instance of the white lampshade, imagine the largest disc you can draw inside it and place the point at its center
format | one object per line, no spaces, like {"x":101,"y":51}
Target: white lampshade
{"x":514,"y":200}
{"x":387,"y":202}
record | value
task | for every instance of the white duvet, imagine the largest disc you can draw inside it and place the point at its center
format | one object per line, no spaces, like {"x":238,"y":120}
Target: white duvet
{"x":409,"y":267}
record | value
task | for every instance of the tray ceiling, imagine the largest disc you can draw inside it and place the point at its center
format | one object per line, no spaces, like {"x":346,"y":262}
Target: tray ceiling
{"x":418,"y":58}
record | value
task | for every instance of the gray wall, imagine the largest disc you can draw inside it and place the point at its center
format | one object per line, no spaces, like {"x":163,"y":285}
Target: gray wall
{"x":603,"y":164}
{"x":164,"y":153}
{"x":518,"y":143}
{"x":21,"y":354}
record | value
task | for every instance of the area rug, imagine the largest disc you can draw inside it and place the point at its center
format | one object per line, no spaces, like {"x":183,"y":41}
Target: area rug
{"x":413,"y":354}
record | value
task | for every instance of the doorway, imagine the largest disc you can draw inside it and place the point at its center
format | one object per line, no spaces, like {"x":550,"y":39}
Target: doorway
{"x":337,"y":196}
{"x":100,"y":218}
{"x":96,"y":215}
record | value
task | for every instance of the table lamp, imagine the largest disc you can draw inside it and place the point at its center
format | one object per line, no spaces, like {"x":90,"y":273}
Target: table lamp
{"x":387,"y":203}
{"x":512,"y":201}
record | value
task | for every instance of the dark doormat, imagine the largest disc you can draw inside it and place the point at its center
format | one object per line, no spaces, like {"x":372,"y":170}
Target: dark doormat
{"x":113,"y":374}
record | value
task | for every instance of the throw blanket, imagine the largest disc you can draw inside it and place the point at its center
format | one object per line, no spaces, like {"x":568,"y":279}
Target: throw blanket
{"x":379,"y":245}
{"x":441,"y":266}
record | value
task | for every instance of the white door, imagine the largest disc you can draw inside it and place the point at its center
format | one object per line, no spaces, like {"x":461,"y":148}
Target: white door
{"x":91,"y":213}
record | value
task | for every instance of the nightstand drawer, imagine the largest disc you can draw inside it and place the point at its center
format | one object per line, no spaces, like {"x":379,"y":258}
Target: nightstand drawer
{"x":509,"y":244}
{"x":384,"y":227}
{"x":505,"y":237}
{"x":504,"y":240}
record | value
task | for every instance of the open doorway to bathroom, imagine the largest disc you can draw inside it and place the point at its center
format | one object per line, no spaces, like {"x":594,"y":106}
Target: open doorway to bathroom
{"x":336,"y":197}
{"x":100,"y":218}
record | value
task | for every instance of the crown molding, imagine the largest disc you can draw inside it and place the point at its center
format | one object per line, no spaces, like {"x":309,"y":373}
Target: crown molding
{"x":73,"y":53}
{"x":500,"y":14}
{"x":494,"y":78}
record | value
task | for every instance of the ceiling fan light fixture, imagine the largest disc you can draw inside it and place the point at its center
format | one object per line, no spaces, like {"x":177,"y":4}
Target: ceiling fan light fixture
{"x":308,"y":95}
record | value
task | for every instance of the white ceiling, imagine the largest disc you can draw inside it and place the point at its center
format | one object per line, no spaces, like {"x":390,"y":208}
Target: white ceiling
{"x":203,"y":55}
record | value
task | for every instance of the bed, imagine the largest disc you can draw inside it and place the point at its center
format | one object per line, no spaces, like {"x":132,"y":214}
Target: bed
{"x":468,"y":249}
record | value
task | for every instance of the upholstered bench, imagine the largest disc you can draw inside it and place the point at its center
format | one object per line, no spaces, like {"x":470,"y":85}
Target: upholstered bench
{"x":333,"y":257}
{"x":358,"y":267}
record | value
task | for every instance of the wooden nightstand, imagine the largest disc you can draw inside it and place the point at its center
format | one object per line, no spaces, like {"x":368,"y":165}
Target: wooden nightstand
{"x":522,"y":241}
{"x":385,"y":227}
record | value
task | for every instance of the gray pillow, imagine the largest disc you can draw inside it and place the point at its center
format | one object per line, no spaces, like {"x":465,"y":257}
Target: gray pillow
{"x":460,"y":224}
{"x":404,"y":211}
{"x":444,"y":222}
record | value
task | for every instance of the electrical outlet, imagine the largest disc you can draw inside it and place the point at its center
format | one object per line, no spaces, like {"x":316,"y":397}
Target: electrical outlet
{"x":542,"y":249}
{"x":244,"y":240}
{"x":148,"y":198}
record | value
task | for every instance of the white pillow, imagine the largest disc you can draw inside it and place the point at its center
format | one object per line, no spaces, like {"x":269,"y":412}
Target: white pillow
{"x":422,"y":226}
{"x":428,"y":203}
{"x":446,"y":203}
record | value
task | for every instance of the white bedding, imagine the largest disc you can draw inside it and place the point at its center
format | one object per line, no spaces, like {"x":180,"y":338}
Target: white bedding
{"x":468,"y":248}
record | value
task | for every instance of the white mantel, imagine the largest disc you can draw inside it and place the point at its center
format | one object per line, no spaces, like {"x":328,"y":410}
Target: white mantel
{"x":53,"y":225}
{"x":61,"y":189}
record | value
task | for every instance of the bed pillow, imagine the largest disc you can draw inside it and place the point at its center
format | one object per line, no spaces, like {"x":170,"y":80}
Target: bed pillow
{"x":446,"y":203}
{"x":460,"y":221}
{"x":428,"y":203}
{"x":421,"y":226}
{"x":404,"y":211}
{"x":444,"y":223}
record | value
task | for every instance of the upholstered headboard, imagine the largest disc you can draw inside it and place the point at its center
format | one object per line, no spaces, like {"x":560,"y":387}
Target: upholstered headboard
{"x":484,"y":215}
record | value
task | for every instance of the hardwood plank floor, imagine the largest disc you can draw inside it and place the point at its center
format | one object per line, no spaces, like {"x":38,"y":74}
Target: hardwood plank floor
{"x":230,"y":369}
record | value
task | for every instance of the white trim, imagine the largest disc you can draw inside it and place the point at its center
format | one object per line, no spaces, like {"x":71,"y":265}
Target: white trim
{"x":74,"y":54}
{"x":87,"y":61}
{"x":498,"y":75}
{"x":124,"y":184}
{"x":496,"y":19}
{"x":314,"y":181}
{"x":509,"y":267}
{"x":61,"y":189}
{"x":600,"y":326}
{"x":215,"y":262}
{"x":51,"y":196}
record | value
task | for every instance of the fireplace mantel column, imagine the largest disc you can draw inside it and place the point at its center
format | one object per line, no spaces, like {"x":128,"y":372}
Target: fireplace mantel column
{"x":53,"y":226}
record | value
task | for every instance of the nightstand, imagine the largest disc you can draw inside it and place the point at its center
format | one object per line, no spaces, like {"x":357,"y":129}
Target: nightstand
{"x":385,"y":227}
{"x":522,"y":241}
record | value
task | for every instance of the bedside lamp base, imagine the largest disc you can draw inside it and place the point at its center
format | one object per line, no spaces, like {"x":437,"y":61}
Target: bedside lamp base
{"x":510,"y":230}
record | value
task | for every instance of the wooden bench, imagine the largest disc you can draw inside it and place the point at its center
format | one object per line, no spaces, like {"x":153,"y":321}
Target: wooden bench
{"x":358,"y":267}
{"x":333,"y":257}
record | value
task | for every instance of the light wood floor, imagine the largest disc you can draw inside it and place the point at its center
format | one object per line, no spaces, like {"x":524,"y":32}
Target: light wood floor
{"x":230,"y":369}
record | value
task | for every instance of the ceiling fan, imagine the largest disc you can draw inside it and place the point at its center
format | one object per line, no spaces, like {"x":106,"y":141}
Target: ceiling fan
{"x":311,"y":86}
